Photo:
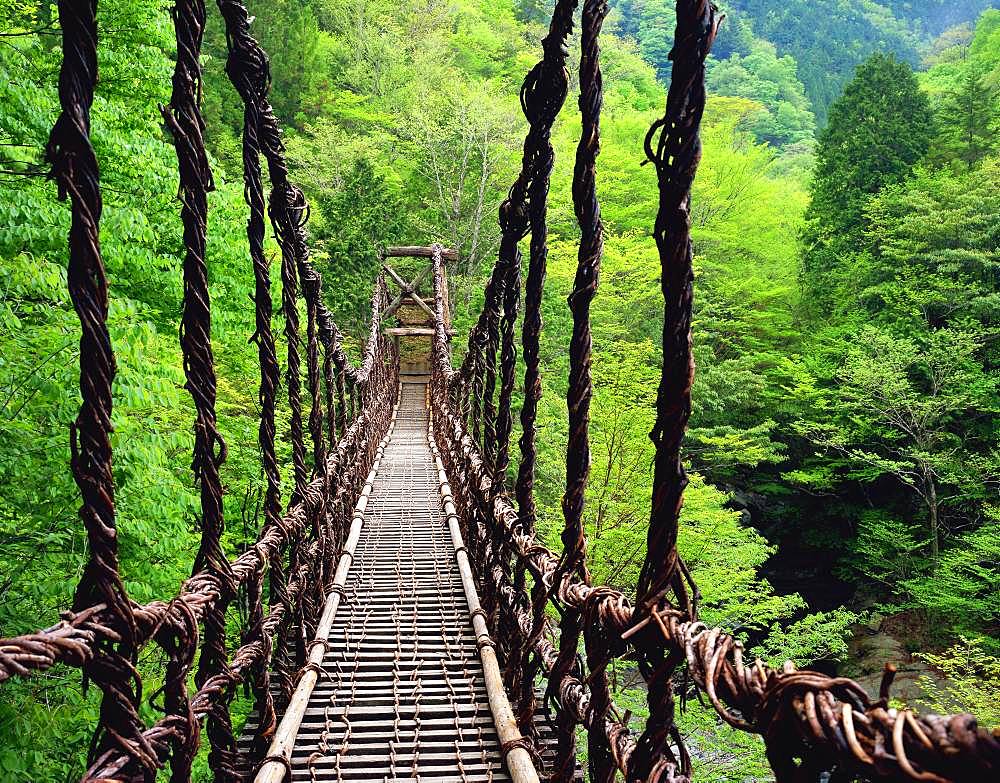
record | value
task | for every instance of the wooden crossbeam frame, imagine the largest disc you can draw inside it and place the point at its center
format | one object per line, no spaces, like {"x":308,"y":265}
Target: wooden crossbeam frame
{"x":414,"y":331}
{"x":409,"y":290}
{"x":419,"y":252}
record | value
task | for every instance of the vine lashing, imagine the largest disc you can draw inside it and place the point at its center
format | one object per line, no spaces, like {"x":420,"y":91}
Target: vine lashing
{"x":546,"y":678}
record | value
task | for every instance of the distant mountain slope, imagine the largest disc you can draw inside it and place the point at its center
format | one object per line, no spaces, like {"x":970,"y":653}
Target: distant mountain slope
{"x":826,"y":38}
{"x":936,"y":16}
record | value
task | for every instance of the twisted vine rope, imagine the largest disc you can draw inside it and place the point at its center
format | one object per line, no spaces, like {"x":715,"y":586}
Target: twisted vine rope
{"x":542,"y":96}
{"x":110,"y":662}
{"x":810,"y":723}
{"x":105,"y":631}
{"x":245,"y":73}
{"x":184,"y":120}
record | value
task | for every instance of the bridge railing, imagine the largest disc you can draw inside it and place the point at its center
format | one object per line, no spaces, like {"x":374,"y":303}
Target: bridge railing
{"x":283,"y":577}
{"x":811,"y":724}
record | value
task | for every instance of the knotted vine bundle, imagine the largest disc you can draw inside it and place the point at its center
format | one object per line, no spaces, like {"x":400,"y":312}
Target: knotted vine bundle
{"x":811,"y":724}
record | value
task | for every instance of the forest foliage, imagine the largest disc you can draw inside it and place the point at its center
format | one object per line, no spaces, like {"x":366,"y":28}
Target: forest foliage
{"x":846,"y":220}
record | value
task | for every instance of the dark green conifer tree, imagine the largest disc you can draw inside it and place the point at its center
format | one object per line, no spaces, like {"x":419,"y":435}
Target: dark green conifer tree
{"x":879,"y":128}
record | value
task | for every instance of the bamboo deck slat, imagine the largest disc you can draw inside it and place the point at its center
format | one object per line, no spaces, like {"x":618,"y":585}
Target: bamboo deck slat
{"x":402,"y":696}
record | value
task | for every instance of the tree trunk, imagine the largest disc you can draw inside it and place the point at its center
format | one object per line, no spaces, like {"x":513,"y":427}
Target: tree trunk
{"x":933,"y":518}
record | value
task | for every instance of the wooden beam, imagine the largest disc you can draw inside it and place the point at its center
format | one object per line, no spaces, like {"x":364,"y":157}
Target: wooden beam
{"x":395,"y":276}
{"x":398,"y":301}
{"x":419,"y":252}
{"x":391,"y":309}
{"x":414,"y":331}
{"x":421,"y":277}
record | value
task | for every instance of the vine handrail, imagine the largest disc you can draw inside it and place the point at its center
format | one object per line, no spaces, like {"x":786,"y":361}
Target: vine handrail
{"x":810,"y":723}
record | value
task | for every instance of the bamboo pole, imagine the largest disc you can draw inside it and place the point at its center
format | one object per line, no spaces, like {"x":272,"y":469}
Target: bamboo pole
{"x":273,"y":771}
{"x":519,"y":762}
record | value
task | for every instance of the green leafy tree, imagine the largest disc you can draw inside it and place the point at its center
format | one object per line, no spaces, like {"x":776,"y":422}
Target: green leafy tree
{"x":657,"y":20}
{"x":964,"y":83}
{"x":299,"y":51}
{"x":464,"y":139}
{"x":933,"y":259}
{"x":878,"y":130}
{"x":962,"y":594}
{"x":886,"y":550}
{"x":362,"y":215}
{"x":534,"y":11}
{"x":773,"y":82}
{"x":899,"y":411}
{"x":968,"y":118}
{"x":972,"y":684}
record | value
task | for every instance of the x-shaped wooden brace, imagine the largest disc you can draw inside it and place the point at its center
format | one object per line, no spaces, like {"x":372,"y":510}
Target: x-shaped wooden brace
{"x":407,"y":290}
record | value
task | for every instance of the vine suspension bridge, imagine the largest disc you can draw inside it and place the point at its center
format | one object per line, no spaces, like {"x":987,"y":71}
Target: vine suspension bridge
{"x":400,"y":607}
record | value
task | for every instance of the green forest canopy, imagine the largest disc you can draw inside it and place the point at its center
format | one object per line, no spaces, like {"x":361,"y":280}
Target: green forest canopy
{"x":844,"y":436}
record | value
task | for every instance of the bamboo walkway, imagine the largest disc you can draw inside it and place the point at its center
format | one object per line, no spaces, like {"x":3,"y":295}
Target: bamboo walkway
{"x":402,"y":696}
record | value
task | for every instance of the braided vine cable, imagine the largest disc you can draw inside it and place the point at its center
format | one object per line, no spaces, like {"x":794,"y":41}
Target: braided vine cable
{"x":542,"y":97}
{"x":543,"y":94}
{"x":573,"y":559}
{"x":327,"y":336}
{"x":245,"y":71}
{"x":341,"y":400}
{"x":111,"y":662}
{"x":311,"y":285}
{"x":293,"y":367}
{"x":184,"y":121}
{"x":353,"y":399}
{"x":600,"y":759}
{"x":674,"y":146}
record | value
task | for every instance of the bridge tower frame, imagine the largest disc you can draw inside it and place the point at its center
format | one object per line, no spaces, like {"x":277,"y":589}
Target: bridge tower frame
{"x":413,"y":312}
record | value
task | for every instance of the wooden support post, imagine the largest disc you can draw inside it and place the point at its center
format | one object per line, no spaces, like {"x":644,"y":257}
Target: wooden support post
{"x":287,"y":731}
{"x":519,"y":762}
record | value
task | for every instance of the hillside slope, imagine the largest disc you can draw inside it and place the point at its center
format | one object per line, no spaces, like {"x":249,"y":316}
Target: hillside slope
{"x":826,"y":39}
